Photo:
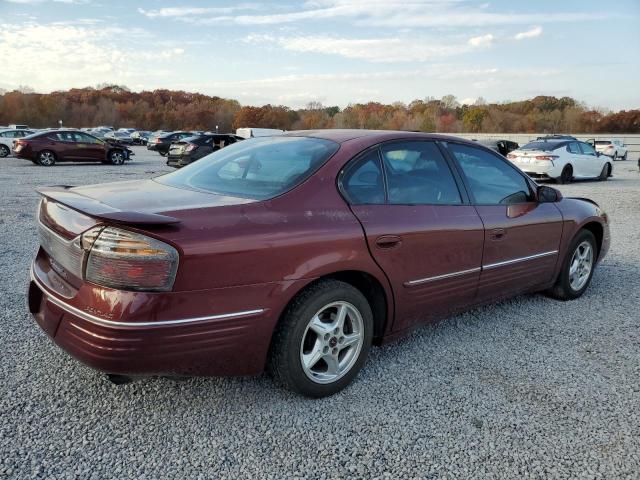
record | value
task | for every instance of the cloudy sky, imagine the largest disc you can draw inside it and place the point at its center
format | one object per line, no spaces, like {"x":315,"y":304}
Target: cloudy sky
{"x":332,"y":51}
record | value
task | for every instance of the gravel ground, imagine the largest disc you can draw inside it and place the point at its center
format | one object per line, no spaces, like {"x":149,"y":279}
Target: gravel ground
{"x":530,"y":387}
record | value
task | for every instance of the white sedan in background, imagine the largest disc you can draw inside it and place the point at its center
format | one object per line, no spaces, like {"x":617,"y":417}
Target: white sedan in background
{"x":615,"y":149}
{"x":562,"y":160}
{"x":8,"y":136}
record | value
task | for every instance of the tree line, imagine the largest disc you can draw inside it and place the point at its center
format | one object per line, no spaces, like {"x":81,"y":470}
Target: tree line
{"x":173,"y":110}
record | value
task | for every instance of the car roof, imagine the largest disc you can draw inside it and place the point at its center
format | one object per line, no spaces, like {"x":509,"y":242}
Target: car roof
{"x":344,"y":135}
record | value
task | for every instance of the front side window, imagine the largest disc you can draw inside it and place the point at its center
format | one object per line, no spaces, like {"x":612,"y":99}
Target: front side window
{"x":363,"y":182}
{"x":491,"y":180}
{"x":418,"y":174}
{"x":259,"y":169}
{"x":587,"y":149}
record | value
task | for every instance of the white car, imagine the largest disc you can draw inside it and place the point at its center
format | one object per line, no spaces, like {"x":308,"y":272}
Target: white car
{"x":8,"y":136}
{"x":561,"y":160}
{"x":257,"y":132}
{"x":615,"y":149}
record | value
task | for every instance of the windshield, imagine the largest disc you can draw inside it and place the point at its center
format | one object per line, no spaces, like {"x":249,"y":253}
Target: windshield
{"x":544,"y":146}
{"x":260,"y":168}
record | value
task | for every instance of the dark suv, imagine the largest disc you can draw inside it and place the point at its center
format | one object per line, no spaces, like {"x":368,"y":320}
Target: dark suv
{"x":194,"y":148}
{"x":162,"y":143}
{"x":51,"y":146}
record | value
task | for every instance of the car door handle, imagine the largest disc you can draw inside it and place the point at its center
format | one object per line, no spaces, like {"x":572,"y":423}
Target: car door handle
{"x":387,"y":242}
{"x":498,"y":234}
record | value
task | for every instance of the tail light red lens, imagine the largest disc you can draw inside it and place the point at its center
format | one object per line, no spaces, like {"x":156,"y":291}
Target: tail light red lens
{"x":158,"y":140}
{"x":546,"y":157}
{"x":129,"y":261}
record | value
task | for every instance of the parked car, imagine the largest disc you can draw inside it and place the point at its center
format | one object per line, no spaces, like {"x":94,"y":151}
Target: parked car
{"x":51,"y":146}
{"x":257,"y":132}
{"x":161,"y":143}
{"x":127,"y":130}
{"x":122,"y":137}
{"x":557,"y":137}
{"x":7,"y":138}
{"x":616,"y":149}
{"x":503,"y":147}
{"x":561,"y":160}
{"x":191,"y":149}
{"x":140,"y":137}
{"x":297,"y":252}
{"x":16,"y":126}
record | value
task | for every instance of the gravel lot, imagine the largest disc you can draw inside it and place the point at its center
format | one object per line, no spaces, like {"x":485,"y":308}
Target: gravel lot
{"x":530,"y":387}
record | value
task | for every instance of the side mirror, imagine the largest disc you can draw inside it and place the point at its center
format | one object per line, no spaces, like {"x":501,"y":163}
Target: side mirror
{"x":548,"y":194}
{"x":598,"y":154}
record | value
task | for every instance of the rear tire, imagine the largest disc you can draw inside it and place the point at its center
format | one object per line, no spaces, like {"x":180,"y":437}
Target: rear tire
{"x":624,"y":157}
{"x":46,"y":158}
{"x":164,"y":154}
{"x":566,"y":176}
{"x":615,"y":156}
{"x":313,"y":352}
{"x":577,"y":269}
{"x":4,"y":151}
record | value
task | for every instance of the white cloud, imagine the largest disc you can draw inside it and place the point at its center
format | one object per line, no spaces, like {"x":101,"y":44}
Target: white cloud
{"x":391,"y":13}
{"x":59,"y":55}
{"x":534,"y":32}
{"x":482,"y":40}
{"x":393,"y":49}
{"x":179,"y":12}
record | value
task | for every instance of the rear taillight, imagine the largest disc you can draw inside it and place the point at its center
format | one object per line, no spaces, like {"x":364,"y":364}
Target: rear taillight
{"x":158,"y":140}
{"x":546,"y":157}
{"x":190,"y":148}
{"x":129,"y":261}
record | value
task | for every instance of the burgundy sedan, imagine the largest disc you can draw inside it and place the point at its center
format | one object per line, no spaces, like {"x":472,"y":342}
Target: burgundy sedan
{"x":298,"y":252}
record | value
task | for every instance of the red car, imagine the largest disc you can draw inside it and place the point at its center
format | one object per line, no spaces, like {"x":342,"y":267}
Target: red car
{"x":50,"y":146}
{"x":298,"y":252}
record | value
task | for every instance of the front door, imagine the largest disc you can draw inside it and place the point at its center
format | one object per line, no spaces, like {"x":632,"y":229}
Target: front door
{"x":419,"y":228}
{"x":522,"y":236}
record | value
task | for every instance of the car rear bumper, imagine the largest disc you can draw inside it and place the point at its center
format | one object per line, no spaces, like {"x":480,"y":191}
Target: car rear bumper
{"x":209,"y":332}
{"x":178,"y":161}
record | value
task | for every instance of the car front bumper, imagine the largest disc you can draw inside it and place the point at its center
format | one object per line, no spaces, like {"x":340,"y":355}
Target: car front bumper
{"x":206,"y":332}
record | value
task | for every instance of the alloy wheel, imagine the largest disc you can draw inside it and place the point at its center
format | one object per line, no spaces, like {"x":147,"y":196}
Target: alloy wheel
{"x":46,"y":159}
{"x":581,"y":265}
{"x":4,"y":151}
{"x":117,"y":158}
{"x":332,"y":342}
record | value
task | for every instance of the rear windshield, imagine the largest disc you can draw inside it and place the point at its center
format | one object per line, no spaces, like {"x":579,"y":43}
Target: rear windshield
{"x":259,"y":168}
{"x":544,"y":146}
{"x":603,"y":142}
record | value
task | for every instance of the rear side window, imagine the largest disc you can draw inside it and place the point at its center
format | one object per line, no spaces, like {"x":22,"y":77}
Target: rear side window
{"x":259,"y":168}
{"x":363,"y":182}
{"x":491,"y":180}
{"x":418,"y":174}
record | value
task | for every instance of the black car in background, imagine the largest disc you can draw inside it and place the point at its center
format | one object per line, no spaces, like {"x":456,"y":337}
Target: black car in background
{"x":503,"y":147}
{"x":162,"y":143}
{"x":193,"y":148}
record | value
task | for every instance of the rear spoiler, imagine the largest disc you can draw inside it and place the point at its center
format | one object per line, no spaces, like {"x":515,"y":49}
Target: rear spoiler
{"x":94,"y":208}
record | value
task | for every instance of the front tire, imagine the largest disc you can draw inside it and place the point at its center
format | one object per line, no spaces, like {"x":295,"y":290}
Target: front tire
{"x":4,"y":151}
{"x":606,"y":172}
{"x":577,"y":268}
{"x":323,"y":339}
{"x":46,"y":158}
{"x":116,"y":157}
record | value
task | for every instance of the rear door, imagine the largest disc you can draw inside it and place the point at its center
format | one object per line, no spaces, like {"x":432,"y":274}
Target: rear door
{"x":419,"y":226}
{"x":63,"y":144}
{"x":522,"y":236}
{"x":578,"y":163}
